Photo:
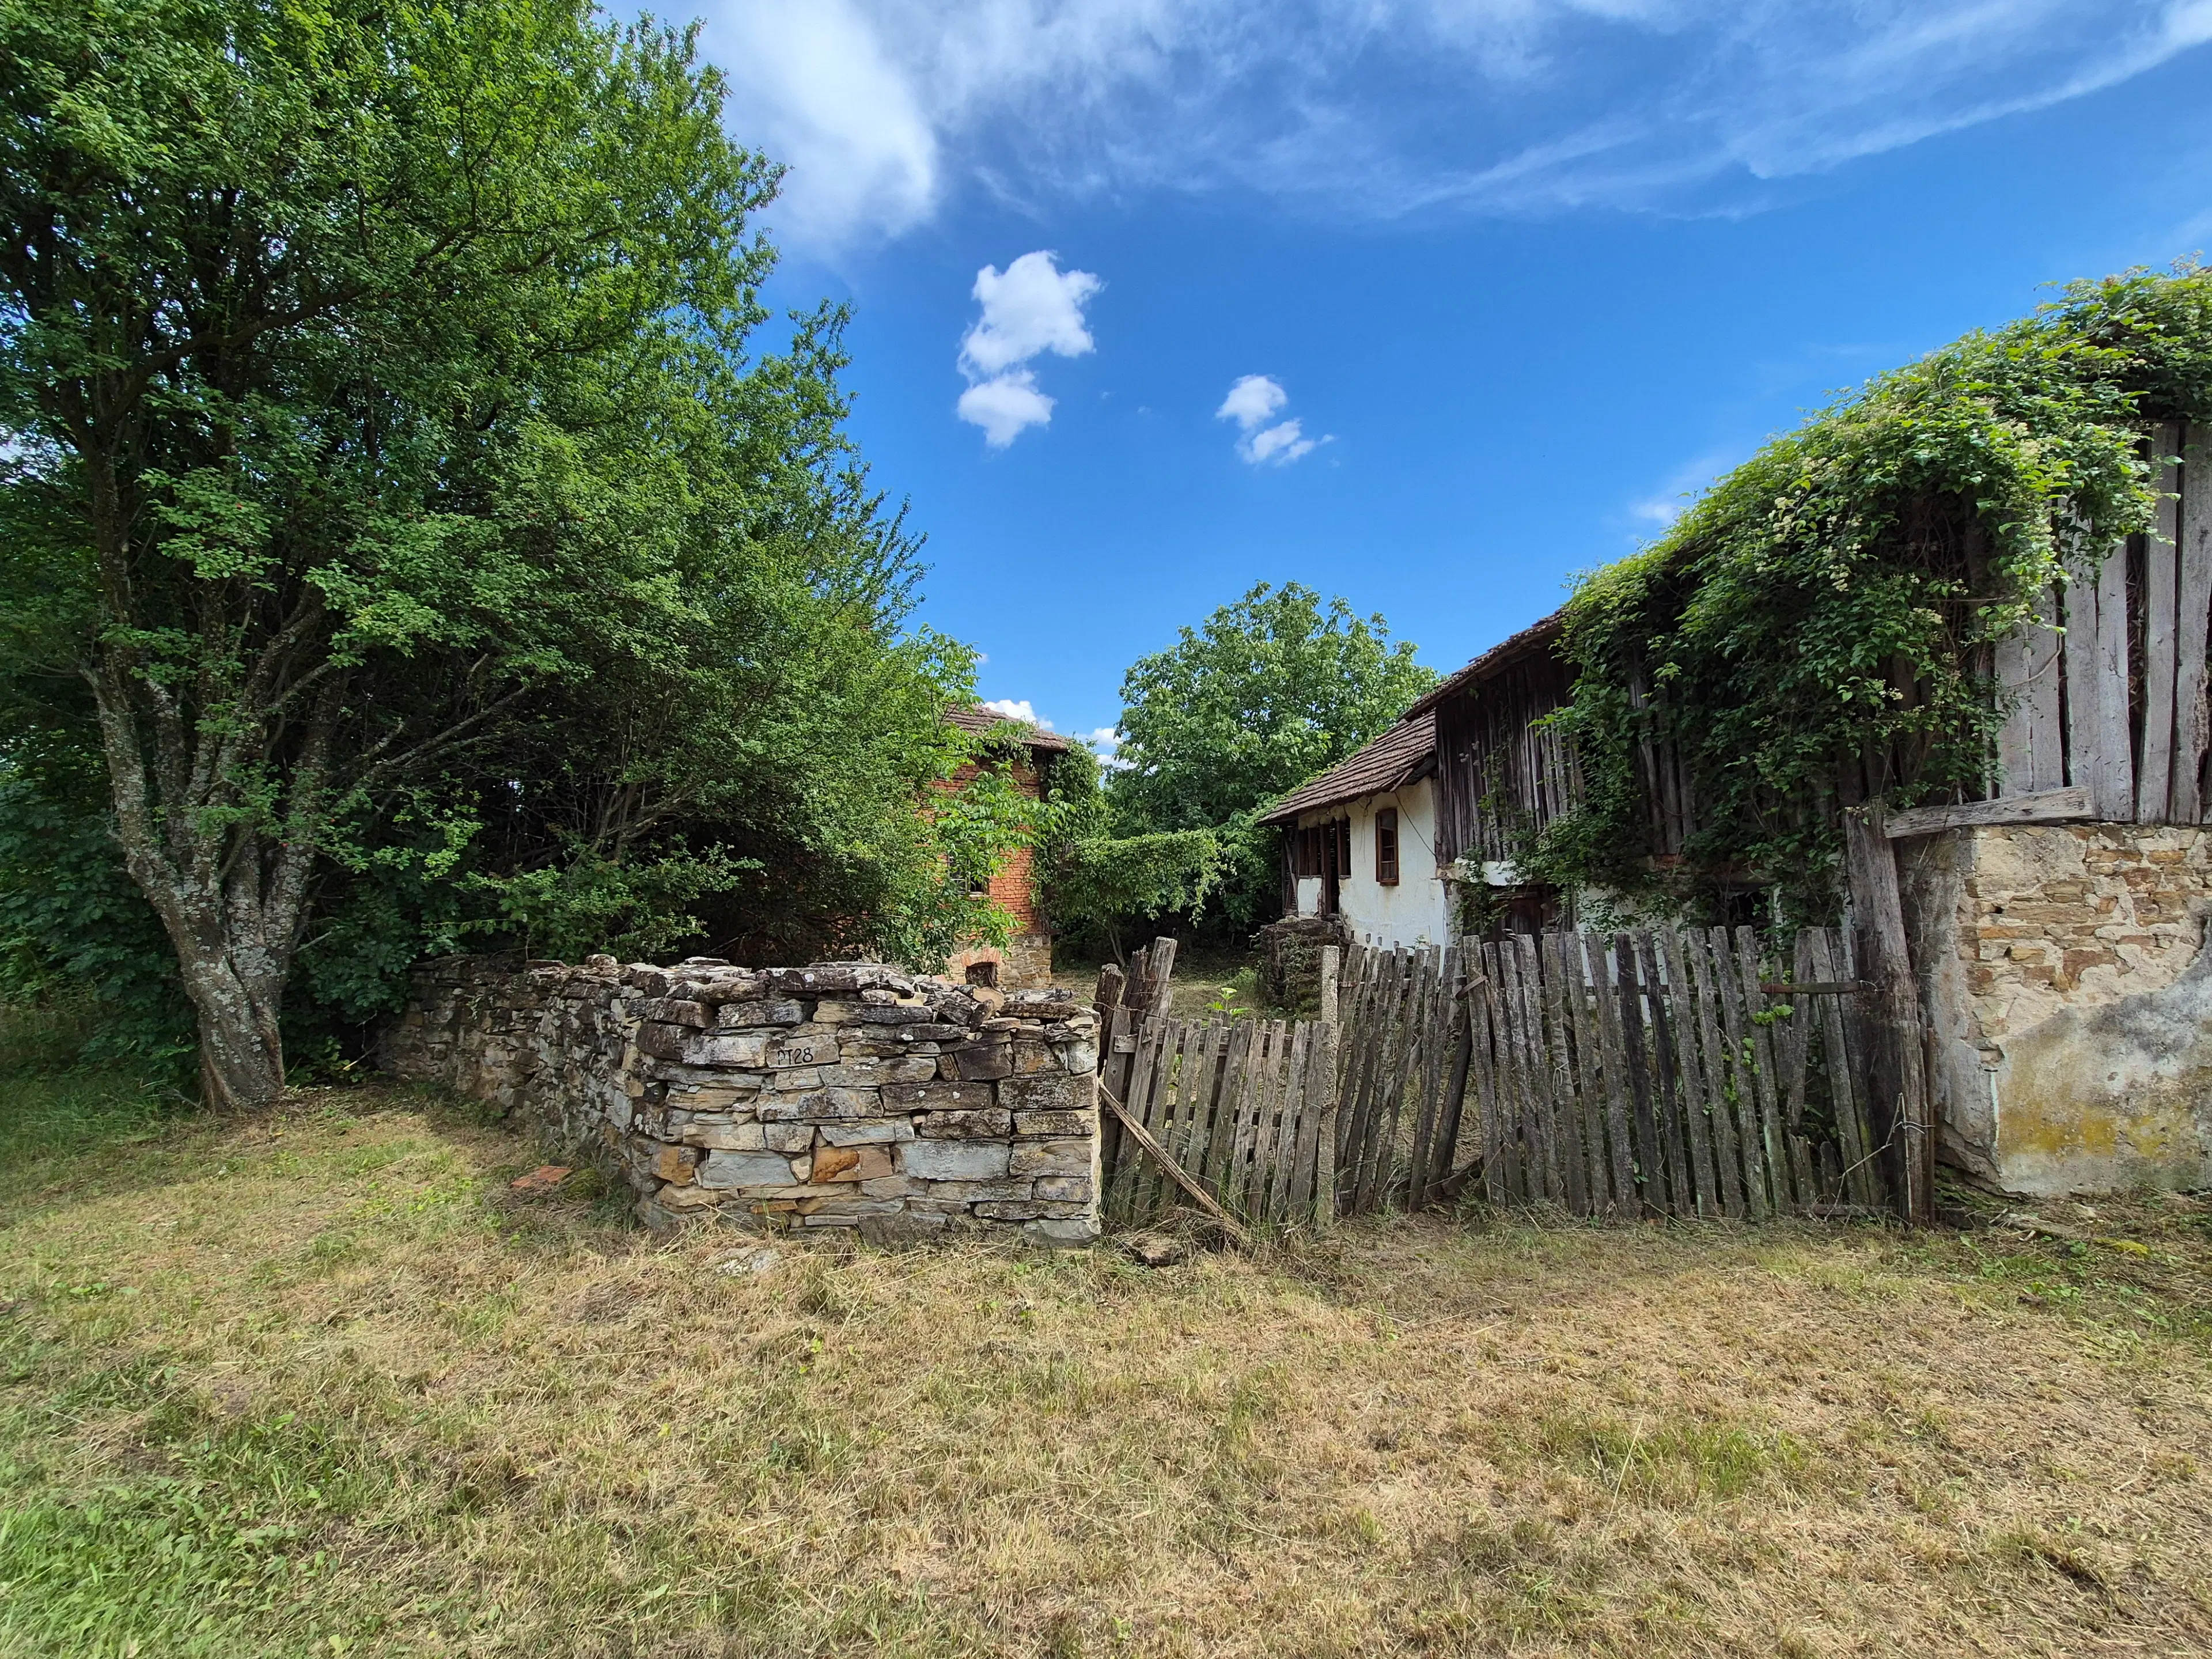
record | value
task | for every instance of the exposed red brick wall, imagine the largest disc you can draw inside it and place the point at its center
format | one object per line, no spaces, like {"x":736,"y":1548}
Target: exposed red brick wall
{"x":1011,"y":889}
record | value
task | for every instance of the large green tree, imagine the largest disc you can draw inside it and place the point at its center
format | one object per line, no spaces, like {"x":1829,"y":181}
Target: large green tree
{"x":1262,"y":696}
{"x":390,"y":495}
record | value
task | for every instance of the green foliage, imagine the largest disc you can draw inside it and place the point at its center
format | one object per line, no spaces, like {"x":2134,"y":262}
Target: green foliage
{"x":1265,"y":694}
{"x":1835,"y":598}
{"x":1260,"y":696}
{"x":395,"y":510}
{"x":74,"y":931}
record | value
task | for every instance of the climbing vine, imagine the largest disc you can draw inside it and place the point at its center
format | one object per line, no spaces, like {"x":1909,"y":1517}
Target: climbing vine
{"x":1833,"y":601}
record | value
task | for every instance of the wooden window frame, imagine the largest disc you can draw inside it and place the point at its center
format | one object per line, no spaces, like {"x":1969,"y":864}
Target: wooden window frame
{"x":1386,"y":847}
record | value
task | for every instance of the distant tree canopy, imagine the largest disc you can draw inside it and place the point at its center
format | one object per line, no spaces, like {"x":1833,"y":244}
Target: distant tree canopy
{"x":401,"y":545}
{"x":1263,"y":695}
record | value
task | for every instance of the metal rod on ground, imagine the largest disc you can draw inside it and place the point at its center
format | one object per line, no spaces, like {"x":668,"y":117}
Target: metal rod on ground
{"x":1174,"y":1171}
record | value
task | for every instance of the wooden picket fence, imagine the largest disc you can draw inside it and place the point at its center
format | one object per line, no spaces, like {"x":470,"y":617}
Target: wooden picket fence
{"x":1247,"y":1109}
{"x":1664,"y":1072}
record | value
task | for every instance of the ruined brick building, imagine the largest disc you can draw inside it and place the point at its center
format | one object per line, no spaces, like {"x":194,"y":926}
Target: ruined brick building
{"x":1025,"y":962}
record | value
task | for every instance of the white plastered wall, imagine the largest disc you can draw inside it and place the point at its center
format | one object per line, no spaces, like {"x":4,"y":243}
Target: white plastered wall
{"x":1415,"y":911}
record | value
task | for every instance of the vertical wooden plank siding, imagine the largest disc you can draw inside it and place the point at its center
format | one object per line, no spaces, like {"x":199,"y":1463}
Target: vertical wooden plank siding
{"x":2192,"y":722}
{"x":1588,"y":1078}
{"x":2161,"y":634}
{"x":1767,"y":1077}
{"x":1737,"y":961}
{"x":1250,"y":1129}
{"x":1526,"y":1147}
{"x":1289,"y":1093}
{"x":1728,"y":1161}
{"x":1544,"y":1152}
{"x":1651,"y":1176}
{"x":1618,"y":1094}
{"x":1792,"y":1052}
{"x":2101,"y":745}
{"x":1567,"y":1117}
{"x":2030,"y":744}
{"x":1700,"y":1099}
{"x":1668,"y":1102}
{"x":1861,"y":1171}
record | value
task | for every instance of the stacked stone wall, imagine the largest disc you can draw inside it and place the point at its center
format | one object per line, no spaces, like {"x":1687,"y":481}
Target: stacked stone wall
{"x":842,"y":1095}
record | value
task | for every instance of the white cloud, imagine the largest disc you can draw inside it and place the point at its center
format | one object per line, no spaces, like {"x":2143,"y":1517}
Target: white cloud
{"x":1381,"y":107}
{"x":1030,"y":309}
{"x":1017,"y":710}
{"x":1005,"y":407}
{"x":1252,"y":401}
{"x":1652,"y":514}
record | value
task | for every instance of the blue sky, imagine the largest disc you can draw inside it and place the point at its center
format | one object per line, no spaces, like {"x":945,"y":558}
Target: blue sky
{"x":1523,"y":272}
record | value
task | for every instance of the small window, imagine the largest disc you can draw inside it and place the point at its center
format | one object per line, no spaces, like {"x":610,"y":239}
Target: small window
{"x":983,"y":972}
{"x":1386,"y":847}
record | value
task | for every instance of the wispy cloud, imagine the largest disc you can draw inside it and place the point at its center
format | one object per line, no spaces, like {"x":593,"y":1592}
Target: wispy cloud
{"x":1382,"y":107}
{"x":1030,"y":309}
{"x":1650,"y":515}
{"x":1253,"y":403}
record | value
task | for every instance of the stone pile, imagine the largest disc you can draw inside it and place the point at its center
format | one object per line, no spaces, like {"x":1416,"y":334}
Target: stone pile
{"x":842,"y":1095}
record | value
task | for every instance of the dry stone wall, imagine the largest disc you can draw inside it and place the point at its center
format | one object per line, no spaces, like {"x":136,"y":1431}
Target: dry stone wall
{"x":842,"y":1095}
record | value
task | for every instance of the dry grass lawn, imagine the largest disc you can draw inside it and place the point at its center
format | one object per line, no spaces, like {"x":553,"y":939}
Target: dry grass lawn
{"x":322,"y":1385}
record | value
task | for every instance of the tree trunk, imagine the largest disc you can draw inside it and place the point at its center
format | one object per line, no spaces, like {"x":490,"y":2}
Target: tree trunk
{"x":241,"y":1050}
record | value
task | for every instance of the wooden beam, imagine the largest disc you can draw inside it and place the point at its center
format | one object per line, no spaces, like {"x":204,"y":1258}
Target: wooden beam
{"x":1174,"y":1171}
{"x":1894,"y":1005}
{"x":2050,"y":806}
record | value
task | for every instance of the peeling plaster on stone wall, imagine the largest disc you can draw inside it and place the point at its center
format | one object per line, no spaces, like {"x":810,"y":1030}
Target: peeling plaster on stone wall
{"x":2064,"y":971}
{"x":842,"y":1095}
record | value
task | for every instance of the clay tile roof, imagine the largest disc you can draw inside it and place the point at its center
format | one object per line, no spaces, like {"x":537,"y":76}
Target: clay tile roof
{"x":978,"y":719}
{"x":1503,"y":655}
{"x":1406,"y":752}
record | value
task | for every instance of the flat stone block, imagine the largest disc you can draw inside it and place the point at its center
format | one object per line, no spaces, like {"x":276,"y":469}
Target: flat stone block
{"x":854,"y":1075}
{"x":980,"y":1061}
{"x":971,"y":1192}
{"x":1067,"y":1189}
{"x":982,"y":1123}
{"x":1049,"y":1091}
{"x":1060,"y":1233}
{"x":675,"y":1011}
{"x":786,"y":1137}
{"x":938,"y":1097}
{"x":745,"y":1049}
{"x":876,"y":1132}
{"x":895,"y":1186}
{"x":724,"y":1169}
{"x":1058,"y":1125}
{"x":729,"y":1137}
{"x":785,"y":1052}
{"x":954,"y":1160}
{"x":1002,"y":1209}
{"x":1050,"y":1158}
